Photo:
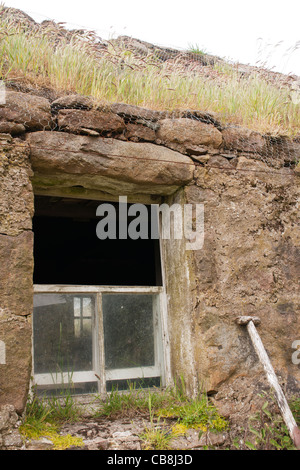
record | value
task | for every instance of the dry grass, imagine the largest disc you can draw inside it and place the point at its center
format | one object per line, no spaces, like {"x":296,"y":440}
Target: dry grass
{"x":117,"y":73}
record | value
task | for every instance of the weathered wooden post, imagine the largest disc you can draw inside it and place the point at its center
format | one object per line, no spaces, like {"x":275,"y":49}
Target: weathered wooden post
{"x":287,"y":415}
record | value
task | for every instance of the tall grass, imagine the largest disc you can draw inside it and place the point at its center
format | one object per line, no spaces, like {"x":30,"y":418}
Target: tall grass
{"x":119,"y":74}
{"x":43,"y":418}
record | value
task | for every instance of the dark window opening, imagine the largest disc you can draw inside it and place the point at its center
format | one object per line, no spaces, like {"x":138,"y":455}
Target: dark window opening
{"x":68,"y":251}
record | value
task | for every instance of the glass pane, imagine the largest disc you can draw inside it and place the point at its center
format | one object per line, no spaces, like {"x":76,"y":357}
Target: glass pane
{"x":62,"y":333}
{"x":128,"y":330}
{"x":81,"y":388}
{"x":133,"y":384}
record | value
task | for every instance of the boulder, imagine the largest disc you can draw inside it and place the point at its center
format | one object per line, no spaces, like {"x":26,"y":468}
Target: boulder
{"x":109,"y":165}
{"x":8,"y":418}
{"x":72,"y":102}
{"x":208,"y":118}
{"x":282,"y":150}
{"x":131,"y":112}
{"x":30,"y":111}
{"x":216,"y":161}
{"x":10,"y":438}
{"x":136,"y":133}
{"x":243,"y":139}
{"x":78,"y":121}
{"x":189,"y":132}
{"x":12,"y":128}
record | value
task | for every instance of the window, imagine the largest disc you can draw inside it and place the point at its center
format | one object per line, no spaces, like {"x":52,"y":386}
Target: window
{"x":90,"y":335}
{"x":67,"y":250}
{"x":95,"y":339}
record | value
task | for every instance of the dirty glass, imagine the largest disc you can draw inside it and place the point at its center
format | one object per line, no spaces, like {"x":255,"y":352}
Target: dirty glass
{"x":128,"y":330}
{"x":136,"y":383}
{"x":62,"y":329}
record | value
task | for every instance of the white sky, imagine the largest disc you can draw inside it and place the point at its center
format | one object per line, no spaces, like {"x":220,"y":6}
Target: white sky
{"x":254,"y":32}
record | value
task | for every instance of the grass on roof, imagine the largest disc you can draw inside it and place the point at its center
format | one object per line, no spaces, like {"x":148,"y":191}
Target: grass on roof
{"x":119,"y":74}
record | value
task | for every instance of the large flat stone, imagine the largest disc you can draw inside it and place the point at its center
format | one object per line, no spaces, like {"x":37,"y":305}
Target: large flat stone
{"x":136,"y":112}
{"x":72,"y":102}
{"x":77,"y":120}
{"x":114,"y":166}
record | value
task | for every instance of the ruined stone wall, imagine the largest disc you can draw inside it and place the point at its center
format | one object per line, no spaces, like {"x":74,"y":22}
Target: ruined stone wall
{"x":249,"y":265}
{"x":250,"y":260}
{"x":16,"y":270}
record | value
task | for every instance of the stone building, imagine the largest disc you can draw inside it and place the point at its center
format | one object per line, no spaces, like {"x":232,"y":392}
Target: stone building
{"x":94,"y":314}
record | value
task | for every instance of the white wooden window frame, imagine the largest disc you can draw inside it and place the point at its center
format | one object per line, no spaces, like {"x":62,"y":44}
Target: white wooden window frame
{"x":161,"y":367}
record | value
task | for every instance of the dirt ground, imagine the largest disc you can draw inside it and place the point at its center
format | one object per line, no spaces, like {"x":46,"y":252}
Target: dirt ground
{"x":125,"y":434}
{"x":236,"y":402}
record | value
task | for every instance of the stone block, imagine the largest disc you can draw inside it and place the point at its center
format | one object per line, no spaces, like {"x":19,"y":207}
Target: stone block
{"x":242,"y":139}
{"x":33,"y":112}
{"x":187,"y":131}
{"x":15,"y":374}
{"x":16,"y":271}
{"x":76,"y":120}
{"x":108,"y":165}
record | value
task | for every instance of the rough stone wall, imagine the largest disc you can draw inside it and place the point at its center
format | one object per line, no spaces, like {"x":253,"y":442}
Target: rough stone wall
{"x":16,"y":269}
{"x":10,"y":438}
{"x":249,"y":264}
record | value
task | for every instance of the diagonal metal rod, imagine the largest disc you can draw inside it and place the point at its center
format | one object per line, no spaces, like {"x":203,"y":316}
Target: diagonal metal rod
{"x":287,"y":415}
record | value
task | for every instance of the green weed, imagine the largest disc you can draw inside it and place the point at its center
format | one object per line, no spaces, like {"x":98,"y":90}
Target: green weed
{"x":196,"y":49}
{"x":170,"y":412}
{"x":156,"y":438}
{"x":43,"y":418}
{"x":268,"y":429}
{"x":135,"y":401}
{"x":196,"y":413}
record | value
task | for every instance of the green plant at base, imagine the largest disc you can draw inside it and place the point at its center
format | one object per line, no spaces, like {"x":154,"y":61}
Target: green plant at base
{"x":195,"y":413}
{"x":43,"y":418}
{"x":156,"y":438}
{"x":51,"y":432}
{"x":171,"y":404}
{"x":295,"y":408}
{"x":131,"y":402}
{"x":269,"y":429}
{"x":63,"y":407}
{"x":37,"y":418}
